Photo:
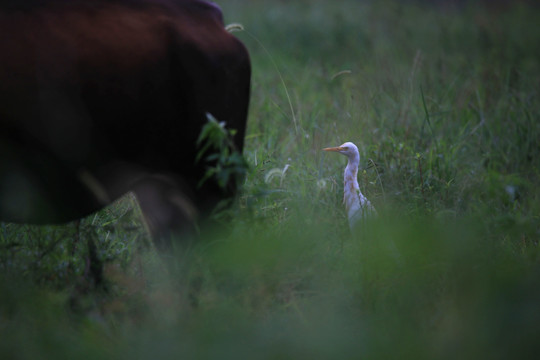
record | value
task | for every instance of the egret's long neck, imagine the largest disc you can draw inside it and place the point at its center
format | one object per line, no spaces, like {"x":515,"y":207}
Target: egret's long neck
{"x":350,"y":182}
{"x":351,"y":172}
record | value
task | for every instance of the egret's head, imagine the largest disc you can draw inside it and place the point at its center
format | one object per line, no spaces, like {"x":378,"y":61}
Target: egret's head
{"x":348,"y":149}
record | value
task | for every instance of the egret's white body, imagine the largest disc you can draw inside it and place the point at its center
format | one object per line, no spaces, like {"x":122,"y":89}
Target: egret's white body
{"x":357,"y":205}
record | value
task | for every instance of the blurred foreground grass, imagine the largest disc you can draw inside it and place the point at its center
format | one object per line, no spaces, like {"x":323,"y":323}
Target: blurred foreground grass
{"x":411,"y":287}
{"x":443,"y":104}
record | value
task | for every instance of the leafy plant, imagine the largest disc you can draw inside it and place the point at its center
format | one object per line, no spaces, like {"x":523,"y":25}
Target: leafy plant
{"x":225,"y":164}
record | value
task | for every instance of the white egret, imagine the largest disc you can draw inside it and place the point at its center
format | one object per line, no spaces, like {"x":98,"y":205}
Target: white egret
{"x":357,"y":205}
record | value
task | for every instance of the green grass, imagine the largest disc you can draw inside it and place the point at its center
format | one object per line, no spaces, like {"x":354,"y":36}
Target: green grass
{"x":443,"y":103}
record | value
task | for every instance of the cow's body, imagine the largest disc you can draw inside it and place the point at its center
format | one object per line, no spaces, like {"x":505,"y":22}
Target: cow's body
{"x":98,"y":98}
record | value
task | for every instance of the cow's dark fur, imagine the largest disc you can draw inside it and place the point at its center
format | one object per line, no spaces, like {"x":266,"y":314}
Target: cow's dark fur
{"x":98,"y":98}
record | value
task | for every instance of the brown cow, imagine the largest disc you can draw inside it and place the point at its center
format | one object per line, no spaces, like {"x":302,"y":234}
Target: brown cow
{"x":99,"y":98}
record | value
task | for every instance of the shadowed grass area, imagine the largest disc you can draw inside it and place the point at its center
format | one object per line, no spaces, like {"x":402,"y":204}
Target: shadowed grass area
{"x":409,"y":288}
{"x":442,"y":101}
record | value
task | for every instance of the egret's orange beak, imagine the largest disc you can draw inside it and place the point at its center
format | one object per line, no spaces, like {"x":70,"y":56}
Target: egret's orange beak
{"x":335,"y":149}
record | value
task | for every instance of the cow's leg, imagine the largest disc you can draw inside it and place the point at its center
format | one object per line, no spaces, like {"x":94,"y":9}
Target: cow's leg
{"x":168,"y":212}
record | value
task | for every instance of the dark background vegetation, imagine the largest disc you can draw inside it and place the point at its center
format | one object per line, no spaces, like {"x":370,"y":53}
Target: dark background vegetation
{"x":441,"y":99}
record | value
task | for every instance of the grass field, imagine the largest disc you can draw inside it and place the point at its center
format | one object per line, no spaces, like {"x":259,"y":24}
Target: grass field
{"x":443,"y":102}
